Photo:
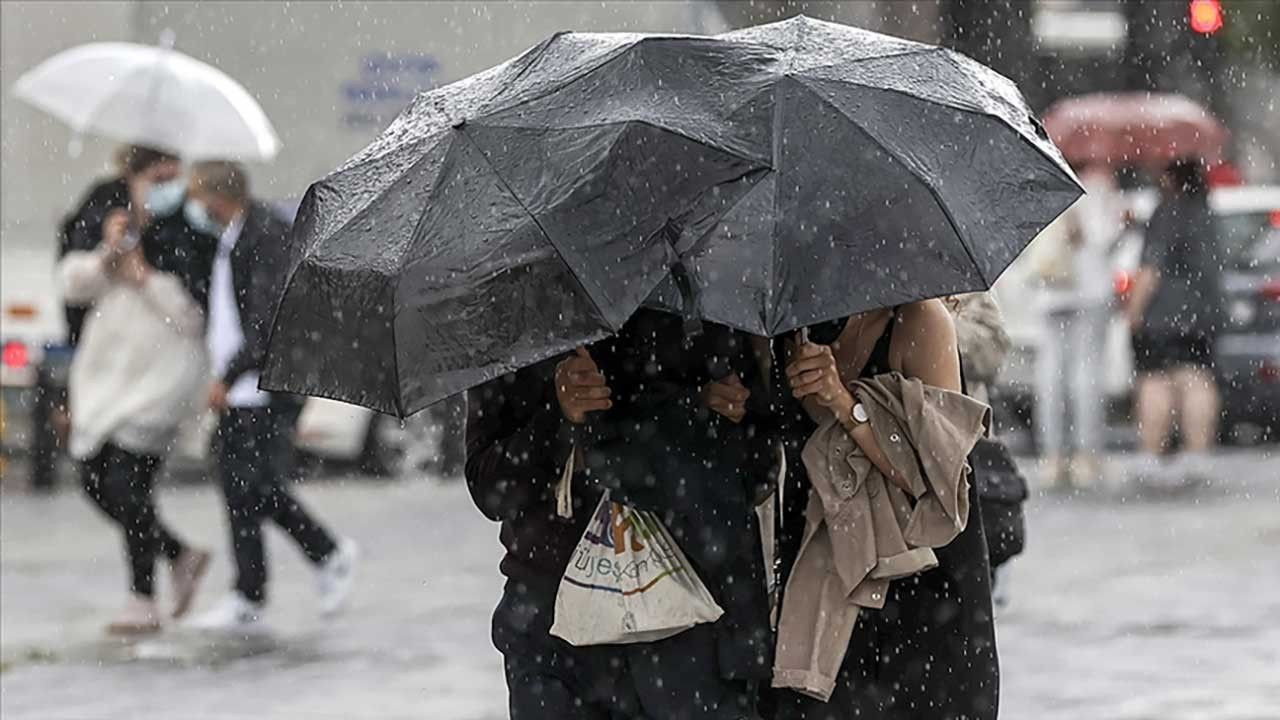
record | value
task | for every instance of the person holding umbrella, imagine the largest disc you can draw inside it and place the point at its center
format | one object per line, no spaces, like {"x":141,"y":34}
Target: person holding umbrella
{"x":521,"y":431}
{"x":932,"y":645}
{"x":136,"y":372}
{"x":552,"y":200}
{"x":254,"y":433}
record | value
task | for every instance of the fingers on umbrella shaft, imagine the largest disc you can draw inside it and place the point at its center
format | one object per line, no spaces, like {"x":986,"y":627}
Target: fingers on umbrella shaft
{"x":805,"y":365}
{"x":808,"y":388}
{"x":585,"y":378}
{"x":583,"y":394}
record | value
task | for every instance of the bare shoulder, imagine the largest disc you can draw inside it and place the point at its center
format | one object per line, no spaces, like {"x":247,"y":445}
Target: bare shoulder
{"x":927,"y":350}
{"x":928,"y":319}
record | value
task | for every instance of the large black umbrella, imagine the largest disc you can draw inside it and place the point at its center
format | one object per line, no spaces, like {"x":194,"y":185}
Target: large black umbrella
{"x":898,"y":172}
{"x":789,"y":173}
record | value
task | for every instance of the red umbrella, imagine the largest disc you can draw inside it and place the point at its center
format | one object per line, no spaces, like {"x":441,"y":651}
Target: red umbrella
{"x":1144,"y":129}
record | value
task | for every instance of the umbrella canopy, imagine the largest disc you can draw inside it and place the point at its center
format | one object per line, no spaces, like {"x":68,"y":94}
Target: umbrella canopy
{"x":153,"y":96}
{"x":1147,"y":130}
{"x":898,"y":172}
{"x":790,"y":173}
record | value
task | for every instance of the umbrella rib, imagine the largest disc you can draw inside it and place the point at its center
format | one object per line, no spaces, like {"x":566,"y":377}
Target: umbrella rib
{"x":542,"y":50}
{"x":889,"y":56}
{"x":396,"y":397}
{"x":776,"y":160}
{"x":917,"y":98}
{"x":619,"y":52}
{"x":946,"y":212}
{"x":554,"y":246}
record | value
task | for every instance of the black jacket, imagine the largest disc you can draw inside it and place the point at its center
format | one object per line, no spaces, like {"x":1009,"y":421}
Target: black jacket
{"x":258,"y":264}
{"x":81,"y":230}
{"x":517,"y":443}
{"x":1182,"y":245}
{"x":657,"y":450}
{"x":170,"y":244}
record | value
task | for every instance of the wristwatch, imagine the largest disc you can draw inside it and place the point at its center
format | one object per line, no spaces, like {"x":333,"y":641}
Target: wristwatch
{"x":858,"y":414}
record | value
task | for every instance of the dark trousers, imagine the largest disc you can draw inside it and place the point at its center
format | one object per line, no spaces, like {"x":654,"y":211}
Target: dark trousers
{"x":119,"y":483}
{"x":256,"y":458}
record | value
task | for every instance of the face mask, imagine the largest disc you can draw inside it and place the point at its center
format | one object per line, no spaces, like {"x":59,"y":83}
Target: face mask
{"x":198,"y":217}
{"x":165,"y":198}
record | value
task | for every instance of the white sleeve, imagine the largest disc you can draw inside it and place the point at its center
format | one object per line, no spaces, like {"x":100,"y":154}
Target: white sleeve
{"x":82,"y":277}
{"x":165,"y":293}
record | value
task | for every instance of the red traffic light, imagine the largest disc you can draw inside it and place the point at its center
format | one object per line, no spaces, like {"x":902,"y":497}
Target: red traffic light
{"x":1205,"y":16}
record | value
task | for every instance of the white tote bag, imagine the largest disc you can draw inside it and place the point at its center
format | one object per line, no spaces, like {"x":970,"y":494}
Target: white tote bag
{"x":628,"y":582}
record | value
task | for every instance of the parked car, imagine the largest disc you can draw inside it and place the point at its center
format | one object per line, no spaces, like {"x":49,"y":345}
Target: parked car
{"x":1248,"y":349}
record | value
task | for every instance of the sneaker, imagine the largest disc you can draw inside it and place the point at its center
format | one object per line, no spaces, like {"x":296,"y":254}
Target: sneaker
{"x":335,"y":577}
{"x":187,"y":570}
{"x":235,"y":613}
{"x":139,"y":617}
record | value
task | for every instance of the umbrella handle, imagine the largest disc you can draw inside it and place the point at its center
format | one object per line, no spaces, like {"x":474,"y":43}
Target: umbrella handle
{"x":802,"y":335}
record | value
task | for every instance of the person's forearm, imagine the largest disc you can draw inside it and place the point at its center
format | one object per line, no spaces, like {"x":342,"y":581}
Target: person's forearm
{"x":865,"y":437}
{"x":1144,"y":287}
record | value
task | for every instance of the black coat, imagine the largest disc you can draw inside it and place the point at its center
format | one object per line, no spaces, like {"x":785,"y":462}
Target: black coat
{"x":657,"y":450}
{"x":258,"y":264}
{"x":82,"y":230}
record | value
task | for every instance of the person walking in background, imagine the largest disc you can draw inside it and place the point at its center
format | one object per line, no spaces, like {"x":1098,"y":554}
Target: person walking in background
{"x":1075,"y":266}
{"x":254,"y":432}
{"x":1174,"y":311}
{"x":138,"y":371}
{"x":167,"y":239}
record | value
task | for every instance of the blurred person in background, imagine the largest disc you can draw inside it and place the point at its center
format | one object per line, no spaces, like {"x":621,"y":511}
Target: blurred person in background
{"x":139,"y":369}
{"x":1075,"y":264}
{"x":254,"y":436}
{"x":984,"y":343}
{"x":1174,"y":311}
{"x":167,"y":240}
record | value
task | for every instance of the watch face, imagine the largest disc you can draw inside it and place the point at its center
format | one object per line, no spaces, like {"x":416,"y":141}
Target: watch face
{"x":859,"y":413}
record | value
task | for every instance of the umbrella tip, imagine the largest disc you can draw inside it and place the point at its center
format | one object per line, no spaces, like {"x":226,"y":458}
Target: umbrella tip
{"x":168,"y":38}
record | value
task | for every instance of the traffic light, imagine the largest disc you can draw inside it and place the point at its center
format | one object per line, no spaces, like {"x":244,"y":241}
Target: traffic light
{"x":1205,"y":16}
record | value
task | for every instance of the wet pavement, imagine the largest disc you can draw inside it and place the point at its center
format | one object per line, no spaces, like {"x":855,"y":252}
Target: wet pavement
{"x":1157,"y":606}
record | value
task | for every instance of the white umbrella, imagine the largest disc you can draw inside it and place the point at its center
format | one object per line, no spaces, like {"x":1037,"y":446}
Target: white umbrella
{"x":153,"y":96}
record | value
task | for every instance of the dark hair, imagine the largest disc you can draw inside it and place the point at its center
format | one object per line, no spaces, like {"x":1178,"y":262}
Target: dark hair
{"x":222,"y":177}
{"x":134,"y":159}
{"x":1187,"y":176}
